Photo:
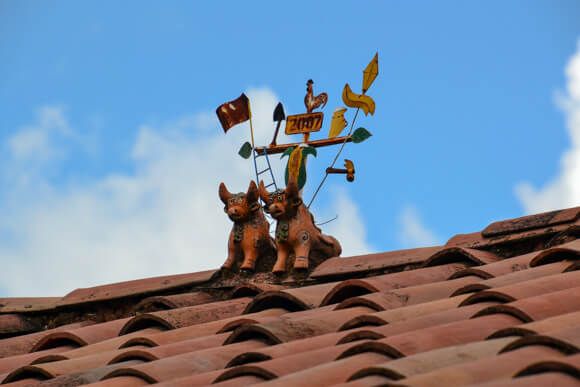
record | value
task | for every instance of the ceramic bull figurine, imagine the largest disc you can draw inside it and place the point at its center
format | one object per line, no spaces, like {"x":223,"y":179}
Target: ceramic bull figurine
{"x":250,"y":236}
{"x":295,"y":230}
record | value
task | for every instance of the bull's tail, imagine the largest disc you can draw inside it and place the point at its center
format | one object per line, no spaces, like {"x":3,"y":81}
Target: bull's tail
{"x":334,"y":247}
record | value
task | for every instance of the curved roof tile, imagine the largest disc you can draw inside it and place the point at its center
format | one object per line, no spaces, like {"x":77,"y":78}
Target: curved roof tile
{"x":192,"y":315}
{"x":409,"y":296}
{"x":184,"y":364}
{"x":560,"y":321}
{"x":463,"y":255}
{"x":569,"y":365}
{"x":23,"y":344}
{"x":478,"y":371}
{"x":432,"y":360}
{"x":175,"y":301}
{"x":372,"y":263}
{"x":356,"y":287}
{"x":130,"y":288}
{"x":569,"y":251}
{"x":526,"y":288}
{"x":540,"y":380}
{"x":81,"y":336}
{"x":539,"y":307}
{"x":292,"y":300}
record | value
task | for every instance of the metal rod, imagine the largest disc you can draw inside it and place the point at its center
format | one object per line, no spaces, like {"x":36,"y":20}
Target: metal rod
{"x":336,"y":158}
{"x":316,"y":144}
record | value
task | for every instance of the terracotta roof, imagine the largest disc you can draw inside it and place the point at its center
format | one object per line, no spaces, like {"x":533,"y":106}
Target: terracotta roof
{"x":500,"y":307}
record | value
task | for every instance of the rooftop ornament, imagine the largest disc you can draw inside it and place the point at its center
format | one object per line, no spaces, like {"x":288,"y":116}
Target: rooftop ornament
{"x":300,"y":244}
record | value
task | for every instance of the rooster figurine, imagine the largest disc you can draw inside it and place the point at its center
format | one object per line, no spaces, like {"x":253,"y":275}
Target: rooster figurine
{"x":311,"y":101}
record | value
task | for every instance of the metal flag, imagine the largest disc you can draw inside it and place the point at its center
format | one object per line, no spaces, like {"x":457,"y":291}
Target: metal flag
{"x":338,"y":122}
{"x":370,"y":73}
{"x":364,"y":102}
{"x":234,"y":112}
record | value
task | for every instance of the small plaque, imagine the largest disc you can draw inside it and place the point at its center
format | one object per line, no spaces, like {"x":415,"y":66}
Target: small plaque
{"x":304,"y":123}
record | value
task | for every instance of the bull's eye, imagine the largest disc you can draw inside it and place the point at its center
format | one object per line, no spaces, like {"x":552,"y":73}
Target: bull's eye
{"x":279,"y":198}
{"x":231,"y":201}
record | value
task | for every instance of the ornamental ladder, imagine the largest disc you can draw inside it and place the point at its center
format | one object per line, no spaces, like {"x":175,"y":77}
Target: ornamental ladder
{"x":258,"y":155}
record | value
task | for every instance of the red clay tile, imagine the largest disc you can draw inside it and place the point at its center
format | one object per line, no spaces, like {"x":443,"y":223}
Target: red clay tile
{"x":404,"y":313}
{"x":432,"y":360}
{"x":81,"y":336}
{"x":122,"y":381}
{"x":531,"y":222}
{"x":72,"y":379}
{"x":478,"y":371}
{"x":569,"y":365}
{"x":175,"y":301}
{"x":541,"y":380}
{"x":431,"y":320}
{"x":539,"y":307}
{"x":570,"y":251}
{"x":192,"y":315}
{"x":27,"y":304}
{"x":289,"y":329}
{"x":186,"y":364}
{"x":357,"y":287}
{"x":292,"y":300}
{"x":409,"y":296}
{"x":23,"y":344}
{"x":341,"y":267}
{"x":251,"y":289}
{"x":59,"y":368}
{"x":142,"y":286}
{"x":367,"y":381}
{"x":514,"y":230}
{"x":203,"y":379}
{"x":542,"y":326}
{"x":328,"y":374}
{"x":13,"y":323}
{"x":566,"y":340}
{"x":196,"y":331}
{"x":505,"y":266}
{"x":286,"y":365}
{"x":168,"y":350}
{"x":241,"y":381}
{"x":463,"y":255}
{"x":293,"y":348}
{"x":459,"y":332}
{"x":516,"y":277}
{"x":92,"y":349}
{"x":526,"y":288}
{"x":11,"y":363}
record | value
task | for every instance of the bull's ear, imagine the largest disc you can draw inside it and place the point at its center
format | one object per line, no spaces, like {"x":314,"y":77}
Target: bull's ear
{"x":252,"y":194}
{"x":263,"y":192}
{"x":292,"y":194}
{"x":224,"y":194}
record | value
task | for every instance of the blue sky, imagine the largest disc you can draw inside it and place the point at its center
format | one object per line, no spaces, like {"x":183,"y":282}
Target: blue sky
{"x":111,"y":152}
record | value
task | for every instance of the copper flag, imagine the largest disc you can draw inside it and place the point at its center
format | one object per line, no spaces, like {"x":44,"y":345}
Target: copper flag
{"x":234,"y":112}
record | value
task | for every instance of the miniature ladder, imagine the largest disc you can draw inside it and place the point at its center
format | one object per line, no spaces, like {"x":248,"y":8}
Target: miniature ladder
{"x":265,"y":170}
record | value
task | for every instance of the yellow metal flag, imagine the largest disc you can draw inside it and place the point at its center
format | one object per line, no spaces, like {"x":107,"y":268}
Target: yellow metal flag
{"x":370,"y":73}
{"x":338,"y":122}
{"x":364,"y":102}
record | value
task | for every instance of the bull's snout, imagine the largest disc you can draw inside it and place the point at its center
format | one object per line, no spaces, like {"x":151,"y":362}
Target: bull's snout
{"x":234,"y":213}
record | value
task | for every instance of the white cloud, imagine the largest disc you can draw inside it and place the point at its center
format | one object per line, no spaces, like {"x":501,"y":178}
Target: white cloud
{"x":348,"y":227}
{"x":165,"y":218}
{"x":413,"y":232}
{"x":564,"y":189}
